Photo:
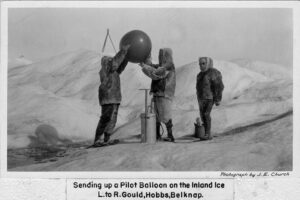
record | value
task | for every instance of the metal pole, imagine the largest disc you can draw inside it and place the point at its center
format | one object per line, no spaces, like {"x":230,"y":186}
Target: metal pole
{"x":146,"y":100}
{"x":146,"y":103}
{"x":146,"y":109}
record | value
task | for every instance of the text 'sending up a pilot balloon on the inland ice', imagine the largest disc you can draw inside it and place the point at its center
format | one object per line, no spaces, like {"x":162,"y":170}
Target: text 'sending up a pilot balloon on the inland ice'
{"x":140,"y":45}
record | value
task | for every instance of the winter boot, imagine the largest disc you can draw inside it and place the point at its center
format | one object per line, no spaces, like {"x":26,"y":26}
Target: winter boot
{"x":106,"y":137}
{"x":207,"y":134}
{"x":158,"y":136}
{"x":99,"y":131}
{"x":169,"y":126}
{"x":209,"y":137}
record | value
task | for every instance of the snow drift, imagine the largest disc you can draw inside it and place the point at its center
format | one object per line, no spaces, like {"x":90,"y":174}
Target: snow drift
{"x":18,"y":62}
{"x":61,"y":92}
{"x":273,"y":71}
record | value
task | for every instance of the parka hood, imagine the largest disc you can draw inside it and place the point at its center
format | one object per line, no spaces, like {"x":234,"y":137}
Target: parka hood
{"x":165,"y":57}
{"x":209,"y":62}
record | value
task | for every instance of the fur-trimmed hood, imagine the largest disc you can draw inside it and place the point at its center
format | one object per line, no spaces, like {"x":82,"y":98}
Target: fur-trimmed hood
{"x":166,"y":58}
{"x":209,"y":62}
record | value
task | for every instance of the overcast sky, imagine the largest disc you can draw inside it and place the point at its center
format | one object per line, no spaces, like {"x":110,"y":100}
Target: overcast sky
{"x":222,"y":33}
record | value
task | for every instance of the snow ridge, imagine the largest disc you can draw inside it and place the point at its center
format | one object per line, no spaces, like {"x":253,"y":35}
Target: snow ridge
{"x":61,"y":92}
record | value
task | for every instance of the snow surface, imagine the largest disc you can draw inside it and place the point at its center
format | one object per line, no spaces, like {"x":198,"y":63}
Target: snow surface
{"x":266,"y":147}
{"x":54,"y":102}
{"x":18,"y":62}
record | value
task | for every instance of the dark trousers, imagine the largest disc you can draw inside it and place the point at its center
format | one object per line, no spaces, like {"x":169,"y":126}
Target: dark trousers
{"x":107,"y":120}
{"x":205,"y":106}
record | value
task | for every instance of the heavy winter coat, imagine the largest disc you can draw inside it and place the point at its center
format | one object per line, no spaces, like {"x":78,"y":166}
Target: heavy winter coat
{"x":110,"y":87}
{"x":163,"y":75}
{"x":209,"y":84}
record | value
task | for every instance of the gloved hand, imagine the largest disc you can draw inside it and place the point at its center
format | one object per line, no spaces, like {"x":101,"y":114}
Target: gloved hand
{"x":217,"y":103}
{"x":141,"y":64}
{"x":148,"y":60}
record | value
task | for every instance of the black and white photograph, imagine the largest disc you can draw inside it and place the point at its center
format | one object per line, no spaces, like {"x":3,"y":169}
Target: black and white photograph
{"x":149,"y":89}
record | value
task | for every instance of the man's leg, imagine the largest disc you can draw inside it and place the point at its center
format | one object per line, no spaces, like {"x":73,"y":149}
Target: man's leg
{"x":169,"y":126}
{"x":167,"y":118}
{"x":207,"y":107}
{"x":158,"y":136}
{"x":201,"y":110}
{"x":112,"y":122}
{"x":158,"y":124}
{"x":106,"y":111}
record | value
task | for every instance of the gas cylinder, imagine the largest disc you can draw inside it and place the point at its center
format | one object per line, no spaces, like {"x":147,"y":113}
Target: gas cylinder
{"x":199,"y":129}
{"x":148,"y":128}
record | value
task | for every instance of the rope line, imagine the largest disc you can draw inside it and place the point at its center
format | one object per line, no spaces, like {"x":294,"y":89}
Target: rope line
{"x":111,"y":41}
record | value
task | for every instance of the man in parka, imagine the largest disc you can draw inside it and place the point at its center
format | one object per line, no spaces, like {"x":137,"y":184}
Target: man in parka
{"x":209,"y":88}
{"x":109,"y":93}
{"x":163,"y":88}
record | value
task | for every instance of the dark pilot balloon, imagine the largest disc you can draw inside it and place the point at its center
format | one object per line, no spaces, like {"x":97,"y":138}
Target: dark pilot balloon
{"x":140,"y":45}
